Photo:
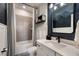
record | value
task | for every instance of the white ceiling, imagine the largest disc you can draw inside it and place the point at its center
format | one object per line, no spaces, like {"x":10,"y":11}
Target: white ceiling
{"x":36,"y":5}
{"x":20,"y":6}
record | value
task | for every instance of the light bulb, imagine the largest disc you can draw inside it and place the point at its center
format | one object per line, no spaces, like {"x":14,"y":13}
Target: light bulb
{"x":61,"y":4}
{"x":55,"y":7}
{"x":51,"y":5}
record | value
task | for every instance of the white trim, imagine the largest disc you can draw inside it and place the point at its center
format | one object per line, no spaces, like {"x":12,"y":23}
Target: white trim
{"x":33,"y":26}
{"x":13,"y":22}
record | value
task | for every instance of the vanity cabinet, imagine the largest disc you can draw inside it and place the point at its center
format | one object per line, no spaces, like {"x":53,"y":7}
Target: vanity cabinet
{"x":52,"y":48}
{"x":45,"y":51}
{"x":57,"y":54}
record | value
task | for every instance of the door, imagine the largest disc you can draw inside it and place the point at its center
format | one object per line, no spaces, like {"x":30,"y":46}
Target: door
{"x":3,"y":40}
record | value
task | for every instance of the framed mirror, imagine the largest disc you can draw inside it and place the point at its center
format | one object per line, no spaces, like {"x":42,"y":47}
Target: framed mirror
{"x":62,"y":17}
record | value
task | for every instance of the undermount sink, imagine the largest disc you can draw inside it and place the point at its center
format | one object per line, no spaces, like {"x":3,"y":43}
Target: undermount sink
{"x":56,"y":44}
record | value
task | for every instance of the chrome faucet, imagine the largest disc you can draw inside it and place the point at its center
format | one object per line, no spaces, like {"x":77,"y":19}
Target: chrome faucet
{"x":58,"y":38}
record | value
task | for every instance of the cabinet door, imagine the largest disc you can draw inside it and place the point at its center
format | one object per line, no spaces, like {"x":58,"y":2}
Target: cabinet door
{"x":3,"y":40}
{"x":40,"y":51}
{"x":44,"y":51}
{"x":57,"y":54}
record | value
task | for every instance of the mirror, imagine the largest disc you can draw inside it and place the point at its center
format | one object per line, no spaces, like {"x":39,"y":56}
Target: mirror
{"x":62,"y":17}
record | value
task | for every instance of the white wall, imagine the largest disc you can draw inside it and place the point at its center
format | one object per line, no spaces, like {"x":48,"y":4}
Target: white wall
{"x":41,"y":29}
{"x":77,"y":35}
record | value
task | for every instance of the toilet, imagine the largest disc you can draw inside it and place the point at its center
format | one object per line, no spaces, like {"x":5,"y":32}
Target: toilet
{"x":32,"y":51}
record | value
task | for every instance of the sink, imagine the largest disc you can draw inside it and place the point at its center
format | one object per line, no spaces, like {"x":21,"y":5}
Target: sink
{"x":56,"y":44}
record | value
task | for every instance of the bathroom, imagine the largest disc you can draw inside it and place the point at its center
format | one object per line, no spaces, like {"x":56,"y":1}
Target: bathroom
{"x":40,"y":29}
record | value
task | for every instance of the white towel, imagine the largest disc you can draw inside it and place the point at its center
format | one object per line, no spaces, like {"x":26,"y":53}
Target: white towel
{"x":77,"y":35}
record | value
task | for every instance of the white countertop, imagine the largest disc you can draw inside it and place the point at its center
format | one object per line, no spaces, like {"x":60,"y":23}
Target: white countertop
{"x":61,"y":48}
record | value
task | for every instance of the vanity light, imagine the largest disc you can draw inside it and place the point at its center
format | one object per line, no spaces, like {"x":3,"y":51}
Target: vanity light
{"x":55,"y":7}
{"x":24,"y":6}
{"x":51,"y":5}
{"x":61,"y":4}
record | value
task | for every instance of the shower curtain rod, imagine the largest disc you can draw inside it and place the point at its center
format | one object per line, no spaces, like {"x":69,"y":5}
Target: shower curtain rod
{"x":29,"y":5}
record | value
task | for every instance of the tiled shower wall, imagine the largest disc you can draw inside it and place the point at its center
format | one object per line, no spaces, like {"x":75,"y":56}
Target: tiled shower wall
{"x":41,"y":28}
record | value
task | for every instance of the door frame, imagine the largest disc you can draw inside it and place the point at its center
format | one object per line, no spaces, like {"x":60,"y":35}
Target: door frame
{"x":11,"y":28}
